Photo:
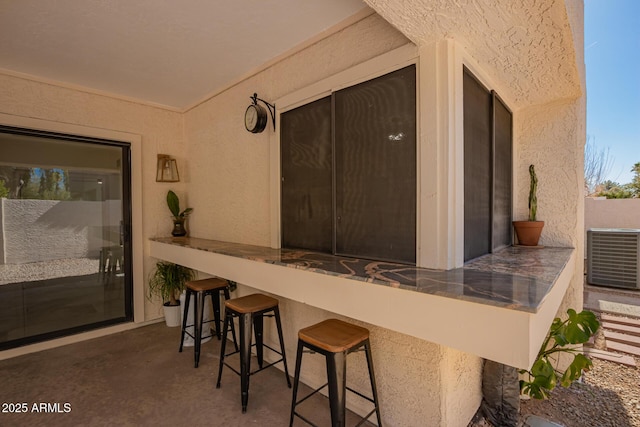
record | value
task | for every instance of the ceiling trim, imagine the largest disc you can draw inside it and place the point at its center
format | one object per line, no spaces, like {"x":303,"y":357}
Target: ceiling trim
{"x":86,"y":89}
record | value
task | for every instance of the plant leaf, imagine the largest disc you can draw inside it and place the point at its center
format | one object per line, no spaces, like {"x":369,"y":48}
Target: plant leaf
{"x":542,"y":377}
{"x":574,"y":371}
{"x":174,"y":203}
{"x":581,"y":326}
{"x":544,"y":374}
{"x":577,"y":329}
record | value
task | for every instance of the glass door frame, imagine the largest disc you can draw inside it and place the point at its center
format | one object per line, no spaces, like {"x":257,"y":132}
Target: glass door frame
{"x":132,"y":183}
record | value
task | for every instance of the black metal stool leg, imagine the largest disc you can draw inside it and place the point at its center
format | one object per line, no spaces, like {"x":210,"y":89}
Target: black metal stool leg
{"x":215,"y":302}
{"x":258,"y":330}
{"x":296,"y":380}
{"x":372,"y":378}
{"x":198,"y":318}
{"x":184,"y":319}
{"x":228,"y":318}
{"x":337,"y":378}
{"x":227,"y":297}
{"x":284,"y":357}
{"x":250,"y":311}
{"x":245,"y":357}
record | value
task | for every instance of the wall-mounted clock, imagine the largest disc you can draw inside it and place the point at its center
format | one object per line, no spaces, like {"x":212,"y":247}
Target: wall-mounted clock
{"x":255,"y":118}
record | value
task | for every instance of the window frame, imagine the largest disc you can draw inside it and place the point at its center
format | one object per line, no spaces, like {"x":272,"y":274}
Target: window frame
{"x":440,"y":141}
{"x":461,"y":60}
{"x":492,"y":241}
{"x":343,"y":225}
{"x":379,"y":66}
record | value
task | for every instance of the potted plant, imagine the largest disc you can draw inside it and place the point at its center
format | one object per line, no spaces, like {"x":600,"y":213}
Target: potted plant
{"x":503,"y":385}
{"x":564,"y":337}
{"x":167,"y":281}
{"x":528,"y":232}
{"x":179,"y":217}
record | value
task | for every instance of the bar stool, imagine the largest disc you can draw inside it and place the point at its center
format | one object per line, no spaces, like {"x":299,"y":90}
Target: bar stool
{"x":251,"y":310}
{"x":200,"y":289}
{"x":335,"y":339}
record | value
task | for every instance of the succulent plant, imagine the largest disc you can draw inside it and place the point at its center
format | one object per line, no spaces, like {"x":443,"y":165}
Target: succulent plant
{"x":533,"y":198}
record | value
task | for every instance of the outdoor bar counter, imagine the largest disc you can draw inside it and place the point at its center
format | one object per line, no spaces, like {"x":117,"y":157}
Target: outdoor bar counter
{"x":513,"y":293}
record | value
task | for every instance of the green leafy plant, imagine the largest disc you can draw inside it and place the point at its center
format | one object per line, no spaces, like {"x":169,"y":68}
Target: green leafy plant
{"x":533,"y":191}
{"x":168,"y":280}
{"x":564,"y":336}
{"x":4,"y":191}
{"x":174,"y":206}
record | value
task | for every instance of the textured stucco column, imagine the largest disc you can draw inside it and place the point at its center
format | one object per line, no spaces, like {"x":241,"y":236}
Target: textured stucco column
{"x":549,"y":138}
{"x":552,"y":136}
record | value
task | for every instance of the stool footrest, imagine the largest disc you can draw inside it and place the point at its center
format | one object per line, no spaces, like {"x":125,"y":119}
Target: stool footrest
{"x":361,"y":395}
{"x":211,"y":334}
{"x":366,"y":417}
{"x":203,"y":322}
{"x":253,"y":345}
{"x":253,"y":372}
{"x":348,"y":388}
{"x":295,"y":414}
{"x":362,"y":421}
{"x":311,"y":394}
{"x":257,"y":370}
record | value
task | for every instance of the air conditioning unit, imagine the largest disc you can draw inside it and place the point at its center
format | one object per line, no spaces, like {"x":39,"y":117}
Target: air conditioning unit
{"x":613,"y":257}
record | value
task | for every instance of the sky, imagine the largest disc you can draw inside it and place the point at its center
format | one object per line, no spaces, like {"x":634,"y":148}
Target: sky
{"x":612,"y":59}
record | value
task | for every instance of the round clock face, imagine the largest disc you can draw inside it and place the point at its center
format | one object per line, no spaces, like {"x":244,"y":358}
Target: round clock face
{"x":255,"y":118}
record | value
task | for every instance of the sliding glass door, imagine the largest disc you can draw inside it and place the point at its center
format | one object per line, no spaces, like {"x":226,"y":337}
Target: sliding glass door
{"x":65,"y":221}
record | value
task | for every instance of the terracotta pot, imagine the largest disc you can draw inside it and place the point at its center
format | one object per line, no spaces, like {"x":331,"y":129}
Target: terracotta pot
{"x":528,"y":232}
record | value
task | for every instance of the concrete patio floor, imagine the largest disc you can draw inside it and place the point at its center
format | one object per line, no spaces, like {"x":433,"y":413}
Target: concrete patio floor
{"x":137,"y":378}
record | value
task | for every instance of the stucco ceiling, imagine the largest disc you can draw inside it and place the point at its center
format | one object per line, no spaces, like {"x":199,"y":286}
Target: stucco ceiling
{"x":167,"y":52}
{"x":526,"y":45}
{"x":177,"y":52}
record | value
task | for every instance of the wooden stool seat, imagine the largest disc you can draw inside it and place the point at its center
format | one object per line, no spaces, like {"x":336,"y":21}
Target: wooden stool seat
{"x":209,"y":284}
{"x":334,"y":335}
{"x":251,"y":303}
{"x":335,"y":339}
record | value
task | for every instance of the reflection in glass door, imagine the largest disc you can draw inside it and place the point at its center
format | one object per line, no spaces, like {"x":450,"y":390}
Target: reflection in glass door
{"x":65,"y":250}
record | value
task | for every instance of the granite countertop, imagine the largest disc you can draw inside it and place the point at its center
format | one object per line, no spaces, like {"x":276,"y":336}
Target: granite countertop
{"x":517,"y":278}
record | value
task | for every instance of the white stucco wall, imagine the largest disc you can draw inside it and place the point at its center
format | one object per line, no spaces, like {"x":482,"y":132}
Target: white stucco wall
{"x":31,"y":234}
{"x":42,"y":230}
{"x":611,"y":213}
{"x":228,"y":168}
{"x":461,"y":391}
{"x":552,"y":137}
